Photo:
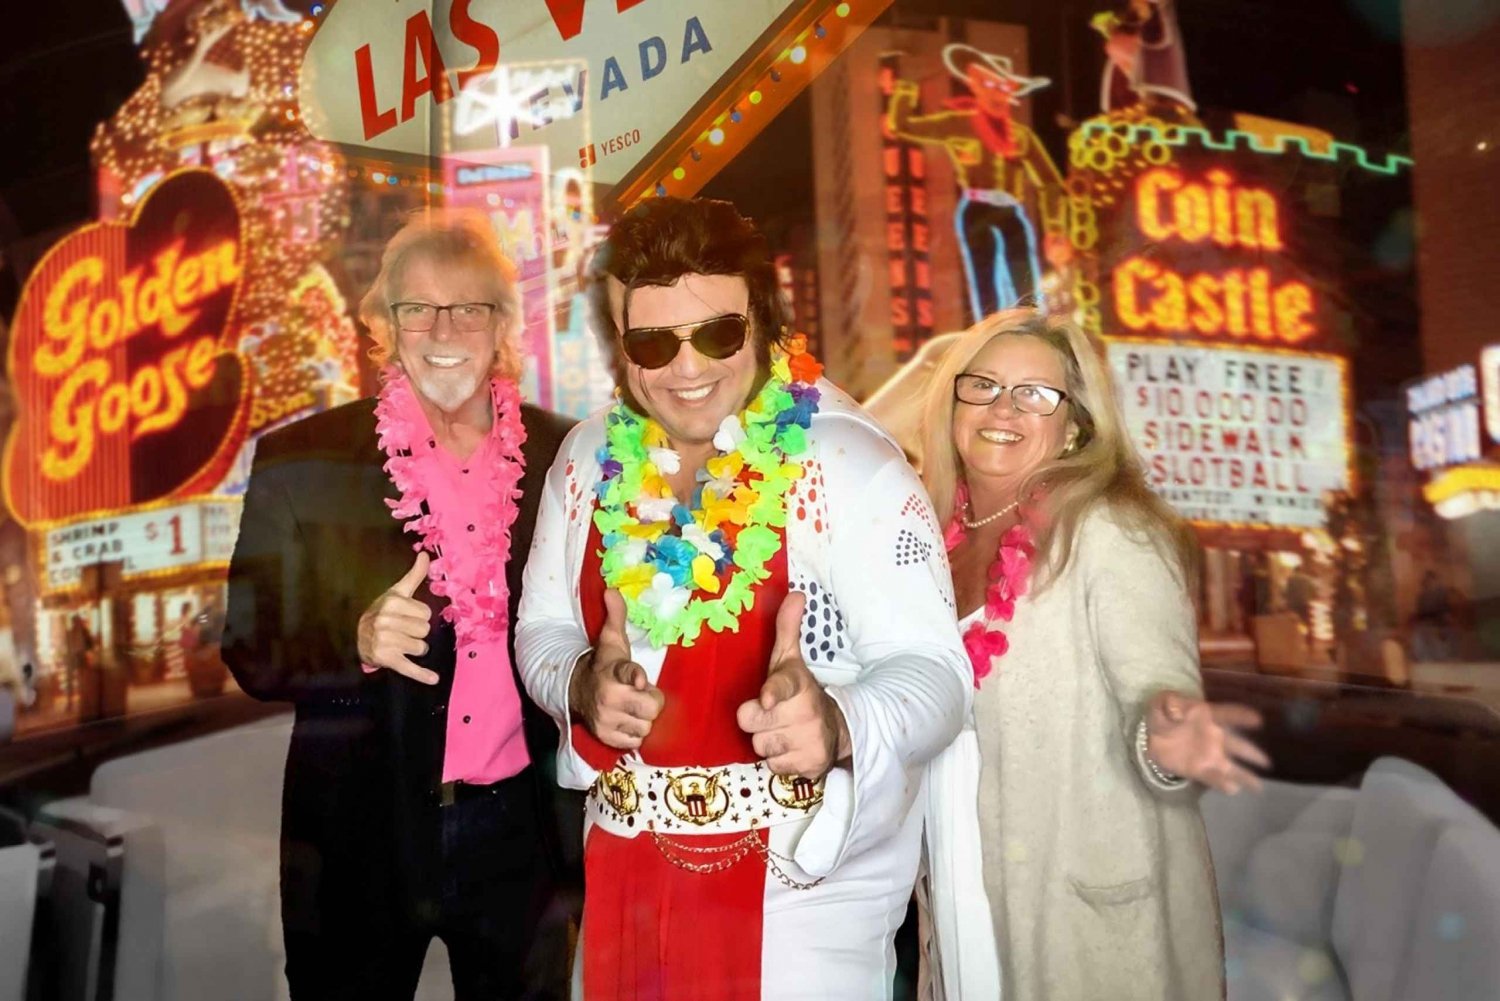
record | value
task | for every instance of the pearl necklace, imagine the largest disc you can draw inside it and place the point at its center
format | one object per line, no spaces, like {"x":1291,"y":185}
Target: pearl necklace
{"x":1007,"y":509}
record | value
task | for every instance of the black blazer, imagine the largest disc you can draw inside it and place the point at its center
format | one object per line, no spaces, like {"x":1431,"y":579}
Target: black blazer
{"x":317,"y":546}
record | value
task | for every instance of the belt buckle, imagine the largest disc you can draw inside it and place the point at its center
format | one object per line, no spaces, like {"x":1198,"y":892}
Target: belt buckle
{"x":696,"y":797}
{"x":447,"y":793}
{"x":617,"y":787}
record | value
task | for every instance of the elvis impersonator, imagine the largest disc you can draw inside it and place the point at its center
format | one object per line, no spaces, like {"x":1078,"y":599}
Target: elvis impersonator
{"x":738,"y":609}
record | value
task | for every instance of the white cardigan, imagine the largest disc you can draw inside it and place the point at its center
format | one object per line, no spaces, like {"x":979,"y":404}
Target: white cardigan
{"x":1098,"y":877}
{"x":879,"y":633}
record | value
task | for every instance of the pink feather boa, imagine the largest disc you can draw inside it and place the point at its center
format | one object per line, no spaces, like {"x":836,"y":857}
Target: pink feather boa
{"x":478,"y":598}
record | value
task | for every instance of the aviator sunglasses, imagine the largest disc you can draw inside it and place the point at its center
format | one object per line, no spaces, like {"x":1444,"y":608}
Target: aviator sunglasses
{"x":718,"y":338}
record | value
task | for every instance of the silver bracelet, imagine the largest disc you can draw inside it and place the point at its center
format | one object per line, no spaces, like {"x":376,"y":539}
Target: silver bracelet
{"x":1161,"y":775}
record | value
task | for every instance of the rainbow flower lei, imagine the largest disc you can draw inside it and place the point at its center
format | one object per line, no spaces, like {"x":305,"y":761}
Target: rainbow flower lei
{"x":680,"y":568}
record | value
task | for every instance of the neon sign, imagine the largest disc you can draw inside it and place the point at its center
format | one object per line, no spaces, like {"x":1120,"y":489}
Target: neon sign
{"x":512,"y":96}
{"x":1239,"y":302}
{"x":1444,"y":426}
{"x":1233,"y":436}
{"x":153,"y":540}
{"x":92,"y":400}
{"x":431,"y":77}
{"x":1244,"y":303}
{"x":1002,"y":169}
{"x":1169,"y":207}
{"x":1489,"y":369}
{"x":908,"y":253}
{"x":119,"y":337}
{"x":1177,"y":136}
{"x":144,"y":12}
{"x":510,"y":188}
{"x":686,"y":83}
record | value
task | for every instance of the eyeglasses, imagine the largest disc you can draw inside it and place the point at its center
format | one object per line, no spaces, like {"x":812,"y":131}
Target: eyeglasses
{"x":1028,"y":398}
{"x":717,"y":337}
{"x":420,"y":317}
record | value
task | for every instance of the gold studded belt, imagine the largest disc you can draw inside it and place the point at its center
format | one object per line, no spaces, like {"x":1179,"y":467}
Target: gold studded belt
{"x":634,"y":797}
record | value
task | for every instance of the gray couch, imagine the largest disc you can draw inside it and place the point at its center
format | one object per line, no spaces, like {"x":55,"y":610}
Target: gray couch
{"x":20,"y":867}
{"x":1387,"y":892}
{"x":198,"y":826}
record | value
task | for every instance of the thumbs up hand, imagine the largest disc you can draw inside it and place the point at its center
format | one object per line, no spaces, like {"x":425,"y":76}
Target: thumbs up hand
{"x":610,"y":693}
{"x":794,"y":725}
{"x":396,"y":625}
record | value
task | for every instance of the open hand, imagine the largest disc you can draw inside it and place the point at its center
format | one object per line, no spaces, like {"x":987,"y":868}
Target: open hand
{"x":1198,"y":740}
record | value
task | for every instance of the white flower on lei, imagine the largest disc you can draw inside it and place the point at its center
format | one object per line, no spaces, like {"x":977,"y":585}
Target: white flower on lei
{"x":695,"y":534}
{"x":665,"y":598}
{"x":731,"y":432}
{"x":666,"y":461}
{"x":650,"y":509}
{"x":721,"y":488}
{"x":632,"y":551}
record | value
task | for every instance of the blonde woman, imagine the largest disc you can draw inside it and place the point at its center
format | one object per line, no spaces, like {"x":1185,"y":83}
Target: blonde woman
{"x":1076,"y":791}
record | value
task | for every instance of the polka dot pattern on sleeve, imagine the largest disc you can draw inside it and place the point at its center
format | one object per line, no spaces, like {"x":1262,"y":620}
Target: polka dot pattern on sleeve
{"x":822,"y":624}
{"x":575,"y":492}
{"x":807,"y":501}
{"x":917,"y":507}
{"x":911,"y":549}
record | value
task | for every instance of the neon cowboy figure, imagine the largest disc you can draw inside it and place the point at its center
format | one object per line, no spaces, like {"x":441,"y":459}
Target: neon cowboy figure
{"x":998,"y":161}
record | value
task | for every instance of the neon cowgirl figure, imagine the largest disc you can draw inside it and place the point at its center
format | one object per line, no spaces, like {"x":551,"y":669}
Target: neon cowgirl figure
{"x":998,"y":162}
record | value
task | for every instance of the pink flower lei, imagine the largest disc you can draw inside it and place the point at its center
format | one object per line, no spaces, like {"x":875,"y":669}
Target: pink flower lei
{"x":478,"y":601}
{"x":1009,"y":574}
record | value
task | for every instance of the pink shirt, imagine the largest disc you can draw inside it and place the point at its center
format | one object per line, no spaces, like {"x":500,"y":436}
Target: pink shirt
{"x":484,"y":741}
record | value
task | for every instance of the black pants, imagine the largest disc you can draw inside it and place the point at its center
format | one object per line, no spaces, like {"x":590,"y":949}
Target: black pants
{"x":494,"y":911}
{"x":999,"y":254}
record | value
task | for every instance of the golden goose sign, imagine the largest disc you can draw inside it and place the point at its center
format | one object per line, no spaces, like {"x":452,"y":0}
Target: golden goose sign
{"x":122,"y":359}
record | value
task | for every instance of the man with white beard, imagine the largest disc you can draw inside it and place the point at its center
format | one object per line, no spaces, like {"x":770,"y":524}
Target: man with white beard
{"x":374,"y":584}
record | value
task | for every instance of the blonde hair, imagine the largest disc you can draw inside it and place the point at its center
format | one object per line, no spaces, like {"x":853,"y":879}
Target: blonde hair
{"x":449,"y":238}
{"x":1101,"y":465}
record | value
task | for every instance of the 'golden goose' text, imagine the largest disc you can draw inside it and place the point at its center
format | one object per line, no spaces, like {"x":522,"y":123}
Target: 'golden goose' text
{"x":83,"y":320}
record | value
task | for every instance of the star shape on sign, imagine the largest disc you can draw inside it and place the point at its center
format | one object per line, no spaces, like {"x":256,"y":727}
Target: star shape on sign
{"x":507,"y":97}
{"x":490,"y":102}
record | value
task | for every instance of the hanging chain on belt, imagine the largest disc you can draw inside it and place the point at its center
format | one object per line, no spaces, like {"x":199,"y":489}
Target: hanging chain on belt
{"x":729,"y":855}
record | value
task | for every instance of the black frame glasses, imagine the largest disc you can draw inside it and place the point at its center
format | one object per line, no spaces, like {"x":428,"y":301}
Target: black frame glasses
{"x":717,"y":337}
{"x":982,"y":391}
{"x":475,"y":315}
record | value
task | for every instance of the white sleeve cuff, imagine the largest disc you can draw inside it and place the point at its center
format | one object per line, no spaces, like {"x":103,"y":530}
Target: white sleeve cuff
{"x":572,"y":771}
